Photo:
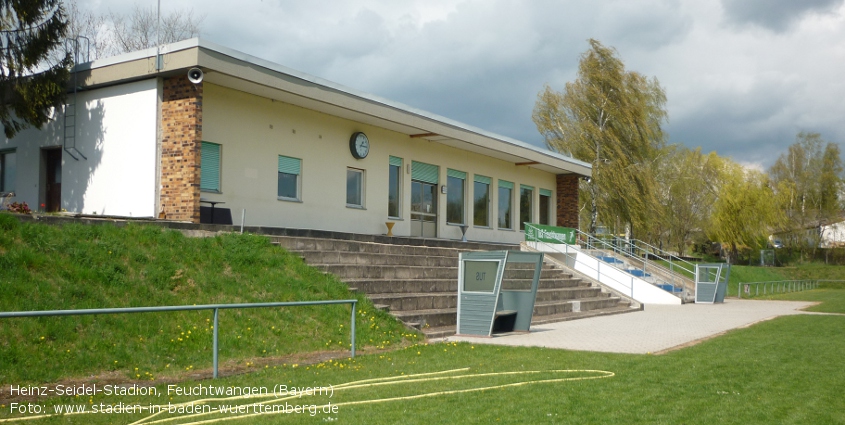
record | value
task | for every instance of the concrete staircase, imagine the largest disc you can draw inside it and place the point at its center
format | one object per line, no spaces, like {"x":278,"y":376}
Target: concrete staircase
{"x":417,"y":279}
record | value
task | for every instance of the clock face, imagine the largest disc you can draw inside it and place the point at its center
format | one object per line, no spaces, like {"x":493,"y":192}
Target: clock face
{"x":359,"y":145}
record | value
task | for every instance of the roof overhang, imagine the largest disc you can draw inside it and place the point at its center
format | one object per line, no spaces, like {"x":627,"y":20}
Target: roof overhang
{"x":230,"y":68}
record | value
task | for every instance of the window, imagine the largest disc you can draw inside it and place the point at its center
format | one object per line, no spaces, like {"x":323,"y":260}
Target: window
{"x":545,"y":206}
{"x":393,"y":194}
{"x":210,"y":167}
{"x":481,"y":201}
{"x":505,"y":201}
{"x":7,"y":171}
{"x":526,"y":205}
{"x":289,"y":182}
{"x":354,"y":188}
{"x":455,"y":196}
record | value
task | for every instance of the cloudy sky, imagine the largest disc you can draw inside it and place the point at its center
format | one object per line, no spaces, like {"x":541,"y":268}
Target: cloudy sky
{"x":742,"y":76}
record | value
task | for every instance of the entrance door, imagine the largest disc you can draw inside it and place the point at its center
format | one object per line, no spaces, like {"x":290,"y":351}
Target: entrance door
{"x":52,"y":161}
{"x":423,"y":209}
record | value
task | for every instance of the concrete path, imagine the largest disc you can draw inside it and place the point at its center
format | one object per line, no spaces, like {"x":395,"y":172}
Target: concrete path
{"x":657,"y":328}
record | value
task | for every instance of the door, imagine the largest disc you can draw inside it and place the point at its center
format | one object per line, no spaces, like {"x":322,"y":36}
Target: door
{"x":423,"y":209}
{"x":52,"y":161}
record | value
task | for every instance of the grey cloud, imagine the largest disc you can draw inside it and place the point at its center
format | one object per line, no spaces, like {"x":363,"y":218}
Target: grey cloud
{"x":775,"y":15}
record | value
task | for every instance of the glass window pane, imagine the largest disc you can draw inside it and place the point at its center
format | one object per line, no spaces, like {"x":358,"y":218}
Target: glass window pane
{"x":505,"y":208}
{"x":545,"y":209}
{"x":393,"y":192}
{"x":416,"y":197}
{"x":354,"y":186}
{"x":481,"y":193}
{"x":455,"y":200}
{"x":526,"y":202}
{"x":288,"y":186}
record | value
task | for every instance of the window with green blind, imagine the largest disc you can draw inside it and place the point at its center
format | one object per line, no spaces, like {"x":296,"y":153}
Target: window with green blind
{"x":526,"y":205}
{"x":481,"y":201}
{"x":210,"y":167}
{"x":290,"y":170}
{"x":545,"y":206}
{"x":394,"y":186}
{"x":455,"y":188}
{"x":505,"y":204}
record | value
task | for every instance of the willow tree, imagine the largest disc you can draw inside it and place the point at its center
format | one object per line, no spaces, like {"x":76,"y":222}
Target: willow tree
{"x":29,"y":86}
{"x":689,"y":186}
{"x":611,"y":118}
{"x":745,"y":210}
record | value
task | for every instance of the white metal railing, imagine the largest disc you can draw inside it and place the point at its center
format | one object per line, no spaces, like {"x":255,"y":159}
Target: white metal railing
{"x":629,"y":286}
{"x":641,"y":251}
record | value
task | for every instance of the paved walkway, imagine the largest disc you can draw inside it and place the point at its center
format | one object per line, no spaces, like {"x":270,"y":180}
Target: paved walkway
{"x":657,"y":328}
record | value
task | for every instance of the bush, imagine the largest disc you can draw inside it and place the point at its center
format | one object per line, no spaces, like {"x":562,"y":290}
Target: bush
{"x":20,"y":208}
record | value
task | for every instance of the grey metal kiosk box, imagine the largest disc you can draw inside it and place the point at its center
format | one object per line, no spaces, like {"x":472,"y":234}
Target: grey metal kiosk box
{"x":497,"y":291}
{"x":711,"y":282}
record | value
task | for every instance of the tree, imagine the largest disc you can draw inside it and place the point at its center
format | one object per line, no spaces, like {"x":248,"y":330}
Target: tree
{"x":809,"y":181}
{"x":30,"y":87}
{"x":689,"y":185}
{"x":112,"y":34}
{"x":745,"y":210}
{"x":612,"y":119}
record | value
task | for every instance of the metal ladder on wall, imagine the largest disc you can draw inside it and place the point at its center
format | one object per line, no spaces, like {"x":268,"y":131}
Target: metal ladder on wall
{"x":73,"y":47}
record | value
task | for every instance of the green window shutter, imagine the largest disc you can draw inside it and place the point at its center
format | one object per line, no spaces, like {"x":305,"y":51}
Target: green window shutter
{"x":290,"y":165}
{"x":456,"y":174}
{"x":505,"y":184}
{"x":423,"y":172}
{"x":483,"y":179}
{"x":546,"y":192}
{"x":395,"y":160}
{"x":524,"y":187}
{"x":210,"y":166}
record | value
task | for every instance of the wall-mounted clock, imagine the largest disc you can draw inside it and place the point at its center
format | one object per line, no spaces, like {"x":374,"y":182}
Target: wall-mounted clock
{"x":359,"y":145}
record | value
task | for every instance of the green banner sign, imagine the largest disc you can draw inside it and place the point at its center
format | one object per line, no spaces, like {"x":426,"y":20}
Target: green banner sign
{"x":549,"y":234}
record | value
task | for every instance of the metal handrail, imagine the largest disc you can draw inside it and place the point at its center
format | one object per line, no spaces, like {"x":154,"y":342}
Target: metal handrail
{"x":596,"y":269}
{"x":215,"y":307}
{"x":672,"y":259}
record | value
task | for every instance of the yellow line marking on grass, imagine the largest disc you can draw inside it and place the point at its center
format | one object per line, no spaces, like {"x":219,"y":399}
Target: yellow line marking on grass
{"x":365,"y":383}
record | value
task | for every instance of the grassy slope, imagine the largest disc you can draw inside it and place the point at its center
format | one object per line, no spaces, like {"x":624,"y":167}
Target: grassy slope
{"x":77,"y":266}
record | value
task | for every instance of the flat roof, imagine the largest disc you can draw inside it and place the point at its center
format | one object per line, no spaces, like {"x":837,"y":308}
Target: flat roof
{"x":237,"y":70}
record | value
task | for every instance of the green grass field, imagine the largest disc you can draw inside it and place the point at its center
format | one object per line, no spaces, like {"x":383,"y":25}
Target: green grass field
{"x":785,"y":371}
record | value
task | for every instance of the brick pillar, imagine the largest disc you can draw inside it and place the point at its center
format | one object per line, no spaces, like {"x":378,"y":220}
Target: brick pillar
{"x":181,"y":124}
{"x":567,"y":200}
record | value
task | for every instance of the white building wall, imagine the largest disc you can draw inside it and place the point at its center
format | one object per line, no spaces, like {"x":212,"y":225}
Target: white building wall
{"x":116,"y":131}
{"x":254,"y":131}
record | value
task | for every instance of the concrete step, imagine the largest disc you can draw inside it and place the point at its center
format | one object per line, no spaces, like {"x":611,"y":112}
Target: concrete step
{"x":449,"y":330}
{"x":390,"y":286}
{"x":550,"y":308}
{"x":402,"y":246}
{"x":401,"y":272}
{"x":563,"y":317}
{"x":375,"y":259}
{"x":430,"y":318}
{"x":567,"y":294}
{"x":417,"y":301}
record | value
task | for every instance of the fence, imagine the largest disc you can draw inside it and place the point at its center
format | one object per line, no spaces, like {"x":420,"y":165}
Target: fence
{"x":775,"y":287}
{"x":215,"y":307}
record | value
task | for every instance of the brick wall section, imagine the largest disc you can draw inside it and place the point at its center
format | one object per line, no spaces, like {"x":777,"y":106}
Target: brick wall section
{"x":181,"y":139}
{"x":567,"y":200}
